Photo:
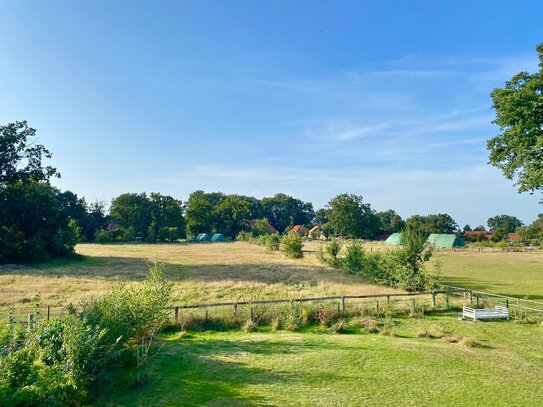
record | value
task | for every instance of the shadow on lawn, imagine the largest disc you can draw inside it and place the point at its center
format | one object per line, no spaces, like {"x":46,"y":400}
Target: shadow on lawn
{"x":132,"y":268}
{"x":200,"y":372}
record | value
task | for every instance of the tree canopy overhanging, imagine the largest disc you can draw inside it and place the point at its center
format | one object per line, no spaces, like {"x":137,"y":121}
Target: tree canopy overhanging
{"x":518,"y":149}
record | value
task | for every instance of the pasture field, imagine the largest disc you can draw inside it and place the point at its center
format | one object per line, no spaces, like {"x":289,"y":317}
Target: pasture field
{"x":317,"y":368}
{"x":239,"y":271}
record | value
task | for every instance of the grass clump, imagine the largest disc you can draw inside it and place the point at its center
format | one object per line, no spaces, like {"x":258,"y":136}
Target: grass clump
{"x":340,"y":326}
{"x":472,"y":342}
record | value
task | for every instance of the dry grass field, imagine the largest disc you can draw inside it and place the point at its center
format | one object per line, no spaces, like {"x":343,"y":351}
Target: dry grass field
{"x":239,"y":271}
{"x":200,"y":273}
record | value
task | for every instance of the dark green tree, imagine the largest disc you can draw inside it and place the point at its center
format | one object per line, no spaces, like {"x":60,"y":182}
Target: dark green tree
{"x":166,"y":212}
{"x":283,"y":211}
{"x":132,"y":211}
{"x":390,"y":221}
{"x":34,"y":216}
{"x":518,"y":149}
{"x":233,"y":215}
{"x":350,"y":217}
{"x":437,"y":223}
{"x":200,"y":214}
{"x":509,"y":224}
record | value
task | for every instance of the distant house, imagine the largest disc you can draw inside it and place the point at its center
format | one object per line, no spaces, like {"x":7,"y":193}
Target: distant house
{"x":513,"y":236}
{"x":271,"y":229}
{"x":315,"y":232}
{"x":478,"y":234}
{"x":300,"y":230}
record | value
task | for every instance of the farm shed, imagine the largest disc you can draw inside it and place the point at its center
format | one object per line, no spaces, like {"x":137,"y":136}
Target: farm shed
{"x":218,"y":237}
{"x":445,"y":241}
{"x":203,"y":237}
{"x":301,"y":230}
{"x":394,"y":239}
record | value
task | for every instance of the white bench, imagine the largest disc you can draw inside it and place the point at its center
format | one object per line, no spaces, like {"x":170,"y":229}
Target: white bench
{"x":486,"y":313}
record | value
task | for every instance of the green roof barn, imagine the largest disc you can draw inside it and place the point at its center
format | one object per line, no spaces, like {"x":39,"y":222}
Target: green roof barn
{"x":203,"y":237}
{"x":394,"y":239}
{"x":218,"y":237}
{"x":445,"y":241}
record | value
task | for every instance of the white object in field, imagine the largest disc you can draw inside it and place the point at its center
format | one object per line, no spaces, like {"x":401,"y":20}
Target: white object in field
{"x":486,"y":313}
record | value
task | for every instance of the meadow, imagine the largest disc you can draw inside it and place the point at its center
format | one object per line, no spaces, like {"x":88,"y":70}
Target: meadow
{"x":484,"y":363}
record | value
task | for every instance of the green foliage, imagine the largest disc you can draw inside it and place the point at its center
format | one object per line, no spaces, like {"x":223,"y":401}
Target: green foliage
{"x":403,"y":268}
{"x":439,"y":223}
{"x":330,"y":254}
{"x":168,"y":234}
{"x":350,"y":217}
{"x":244,"y":236}
{"x":390,"y":221}
{"x":283,"y":211}
{"x":517,"y":150}
{"x":292,"y":245}
{"x":53,"y":364}
{"x":33,"y":226}
{"x":20,"y":156}
{"x":504,"y":223}
{"x":271,"y":241}
{"x":261,"y":227}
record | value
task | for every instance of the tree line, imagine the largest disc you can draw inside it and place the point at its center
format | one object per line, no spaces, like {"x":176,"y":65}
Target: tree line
{"x":39,"y":221}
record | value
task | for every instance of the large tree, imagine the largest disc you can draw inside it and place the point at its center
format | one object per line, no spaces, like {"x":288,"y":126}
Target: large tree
{"x":132,"y":211}
{"x":200,"y":215}
{"x":350,"y":217}
{"x":390,"y":221}
{"x":166,"y":212}
{"x":518,"y":149}
{"x":507,"y":223}
{"x":283,"y":211}
{"x":34,"y":216}
{"x":435,"y":223}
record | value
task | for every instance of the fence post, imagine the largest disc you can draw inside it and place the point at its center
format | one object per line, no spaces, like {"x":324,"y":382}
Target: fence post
{"x":414,"y":304}
{"x":388,"y":299}
{"x":471,"y":296}
{"x":447,"y":301}
{"x":206,"y":315}
{"x":30,"y":321}
{"x":343,"y":303}
{"x":48,"y":312}
{"x":477,"y":297}
{"x":507,"y":303}
{"x":236,"y":309}
{"x":176,"y":314}
{"x":377,"y":306}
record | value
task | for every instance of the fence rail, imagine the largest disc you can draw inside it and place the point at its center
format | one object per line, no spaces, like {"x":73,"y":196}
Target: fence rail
{"x":496,"y":299}
{"x":29,"y":313}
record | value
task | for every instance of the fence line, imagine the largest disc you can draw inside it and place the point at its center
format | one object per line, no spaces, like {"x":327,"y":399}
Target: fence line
{"x":520,"y":303}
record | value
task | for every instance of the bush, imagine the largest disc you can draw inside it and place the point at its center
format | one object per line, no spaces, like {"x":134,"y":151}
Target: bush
{"x":271,"y":242}
{"x":244,"y":236}
{"x":354,"y":259}
{"x":339,"y":326}
{"x":330,"y":254}
{"x":104,"y":237}
{"x":292,"y":245}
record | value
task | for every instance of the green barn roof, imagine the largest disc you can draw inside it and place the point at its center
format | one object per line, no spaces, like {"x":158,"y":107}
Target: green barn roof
{"x":394,"y":239}
{"x":203,"y":237}
{"x":218,"y":237}
{"x":445,"y":241}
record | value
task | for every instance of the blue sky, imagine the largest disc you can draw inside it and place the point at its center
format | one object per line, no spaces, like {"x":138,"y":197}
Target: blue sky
{"x":386,"y":99}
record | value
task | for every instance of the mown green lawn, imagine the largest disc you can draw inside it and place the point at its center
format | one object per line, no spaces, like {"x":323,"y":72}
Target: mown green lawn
{"x":513,"y":274}
{"x":316,"y":368}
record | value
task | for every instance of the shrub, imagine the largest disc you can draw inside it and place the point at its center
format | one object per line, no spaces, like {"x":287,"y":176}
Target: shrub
{"x":330,"y":254}
{"x":292,"y":245}
{"x":134,"y":315}
{"x":271,"y":242}
{"x":324,"y":317}
{"x":244,"y":236}
{"x":250,"y":325}
{"x":103,"y":237}
{"x":339,"y":326}
{"x":354,"y":259}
